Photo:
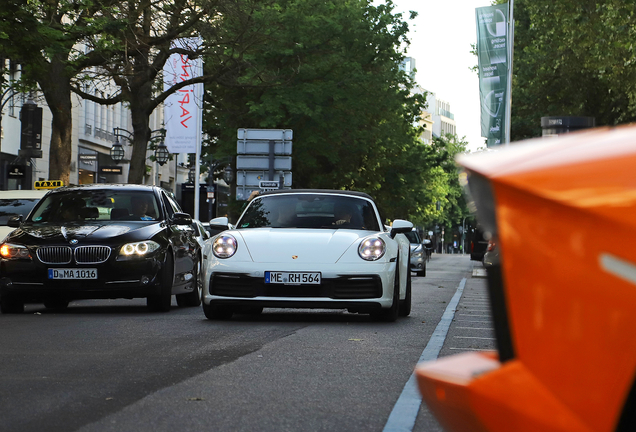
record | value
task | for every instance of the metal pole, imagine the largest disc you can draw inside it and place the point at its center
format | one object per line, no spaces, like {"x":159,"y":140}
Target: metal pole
{"x":197,"y":168}
{"x":510,"y":46}
{"x":176,"y":171}
{"x":272,"y":143}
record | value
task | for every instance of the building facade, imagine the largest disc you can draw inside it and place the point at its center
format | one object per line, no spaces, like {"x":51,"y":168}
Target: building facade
{"x":443,"y":118}
{"x":96,"y":127}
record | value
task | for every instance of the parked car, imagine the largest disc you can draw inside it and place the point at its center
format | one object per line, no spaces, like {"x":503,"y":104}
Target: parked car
{"x":478,"y":245}
{"x":418,"y":252}
{"x":17,"y":202}
{"x":563,"y":296}
{"x":491,"y":257}
{"x":200,"y":233}
{"x":101,"y":241}
{"x":308,"y":249}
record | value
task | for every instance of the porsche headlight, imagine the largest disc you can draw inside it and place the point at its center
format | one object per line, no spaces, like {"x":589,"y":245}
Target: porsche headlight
{"x":372,"y":249}
{"x":224,"y":246}
{"x":14,"y":251}
{"x":138,"y":249}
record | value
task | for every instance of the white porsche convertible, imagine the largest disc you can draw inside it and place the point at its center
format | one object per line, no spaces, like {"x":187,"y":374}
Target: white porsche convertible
{"x":323,"y":249}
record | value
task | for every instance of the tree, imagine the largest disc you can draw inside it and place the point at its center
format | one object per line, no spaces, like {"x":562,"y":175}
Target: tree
{"x":341,"y":90}
{"x":573,"y":58}
{"x":441,"y":156}
{"x":145,"y":32}
{"x":43,"y":36}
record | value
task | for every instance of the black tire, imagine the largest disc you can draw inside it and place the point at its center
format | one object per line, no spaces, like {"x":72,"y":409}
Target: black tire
{"x":56,"y":304}
{"x":405,"y":305}
{"x":11,"y":305}
{"x":192,"y":298}
{"x":252,"y":310}
{"x":391,"y":314}
{"x":161,"y":302}
{"x":216,"y":312}
{"x":423,"y":271}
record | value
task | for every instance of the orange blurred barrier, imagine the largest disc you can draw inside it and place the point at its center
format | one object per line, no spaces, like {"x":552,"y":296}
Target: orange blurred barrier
{"x":563,"y":295}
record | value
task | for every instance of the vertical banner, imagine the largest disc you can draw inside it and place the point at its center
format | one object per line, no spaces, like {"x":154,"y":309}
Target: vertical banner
{"x":183,"y":108}
{"x":492,"y":52}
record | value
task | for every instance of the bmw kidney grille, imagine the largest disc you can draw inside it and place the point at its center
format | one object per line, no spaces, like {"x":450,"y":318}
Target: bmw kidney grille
{"x":64,"y":254}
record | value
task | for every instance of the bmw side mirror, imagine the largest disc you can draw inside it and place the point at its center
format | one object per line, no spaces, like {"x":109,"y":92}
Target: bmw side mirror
{"x":400,"y":227}
{"x":15,"y":221}
{"x":181,"y":219}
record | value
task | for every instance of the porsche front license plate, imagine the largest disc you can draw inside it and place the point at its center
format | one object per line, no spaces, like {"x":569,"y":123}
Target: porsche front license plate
{"x":296,"y":278}
{"x":67,"y":273}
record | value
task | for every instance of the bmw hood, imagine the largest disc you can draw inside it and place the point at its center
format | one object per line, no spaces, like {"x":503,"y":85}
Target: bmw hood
{"x":279,"y":245}
{"x":91,"y":232}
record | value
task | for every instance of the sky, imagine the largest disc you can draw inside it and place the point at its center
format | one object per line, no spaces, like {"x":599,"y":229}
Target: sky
{"x":441,"y":37}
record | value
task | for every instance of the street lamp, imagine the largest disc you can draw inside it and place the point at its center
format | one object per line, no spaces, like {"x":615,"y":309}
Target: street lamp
{"x":228,"y":174}
{"x":117,"y":152}
{"x":161,"y":154}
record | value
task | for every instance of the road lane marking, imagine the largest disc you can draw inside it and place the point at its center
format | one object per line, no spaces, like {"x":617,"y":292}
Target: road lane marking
{"x":404,"y":413}
{"x":473,"y":337}
{"x":472,"y":349}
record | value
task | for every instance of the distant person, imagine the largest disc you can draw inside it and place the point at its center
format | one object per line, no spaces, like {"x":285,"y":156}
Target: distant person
{"x":70,"y":209}
{"x":140,"y":207}
{"x":342,"y":214}
{"x":286,"y":215}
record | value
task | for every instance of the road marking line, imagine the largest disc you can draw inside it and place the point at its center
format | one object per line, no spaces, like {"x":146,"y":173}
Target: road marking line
{"x":404,"y":413}
{"x":472,"y":349}
{"x":473,"y":337}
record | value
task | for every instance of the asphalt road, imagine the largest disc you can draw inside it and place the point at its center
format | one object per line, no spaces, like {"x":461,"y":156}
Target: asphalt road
{"x":113,"y":366}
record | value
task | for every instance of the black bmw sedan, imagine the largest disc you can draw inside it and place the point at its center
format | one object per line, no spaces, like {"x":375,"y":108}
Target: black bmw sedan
{"x":98,"y":242}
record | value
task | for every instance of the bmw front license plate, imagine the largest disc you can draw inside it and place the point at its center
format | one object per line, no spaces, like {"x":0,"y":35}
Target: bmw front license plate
{"x":295,"y":278}
{"x":67,"y":273}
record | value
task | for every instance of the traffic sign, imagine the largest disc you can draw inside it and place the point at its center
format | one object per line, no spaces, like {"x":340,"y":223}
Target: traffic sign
{"x":249,"y":162}
{"x":268,"y":184}
{"x":265,"y":134}
{"x":254,"y":178}
{"x":261,"y":147}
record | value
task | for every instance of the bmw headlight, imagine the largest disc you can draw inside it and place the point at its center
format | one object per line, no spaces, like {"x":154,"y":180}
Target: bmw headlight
{"x":224,"y":246}
{"x":138,"y":249}
{"x":372,"y":249}
{"x":14,"y":251}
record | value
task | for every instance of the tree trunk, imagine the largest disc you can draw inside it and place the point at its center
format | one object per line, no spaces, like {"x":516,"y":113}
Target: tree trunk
{"x":57,"y":91}
{"x":141,"y":129}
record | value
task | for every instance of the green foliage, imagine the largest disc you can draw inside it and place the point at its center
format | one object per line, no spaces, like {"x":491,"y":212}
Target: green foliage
{"x":339,"y":87}
{"x":573,"y":58}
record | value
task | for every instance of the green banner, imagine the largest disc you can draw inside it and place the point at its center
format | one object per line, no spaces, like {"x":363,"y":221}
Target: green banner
{"x":492,"y":52}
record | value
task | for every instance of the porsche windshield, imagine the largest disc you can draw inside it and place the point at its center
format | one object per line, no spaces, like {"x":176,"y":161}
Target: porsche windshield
{"x":310,"y":211}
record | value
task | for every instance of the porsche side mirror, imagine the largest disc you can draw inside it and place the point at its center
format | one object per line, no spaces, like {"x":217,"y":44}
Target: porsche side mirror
{"x":15,"y":221}
{"x":220,"y":223}
{"x":181,"y":219}
{"x":400,"y":227}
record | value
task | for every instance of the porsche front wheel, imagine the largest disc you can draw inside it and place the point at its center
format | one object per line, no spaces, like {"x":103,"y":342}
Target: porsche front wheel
{"x":217,"y":312}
